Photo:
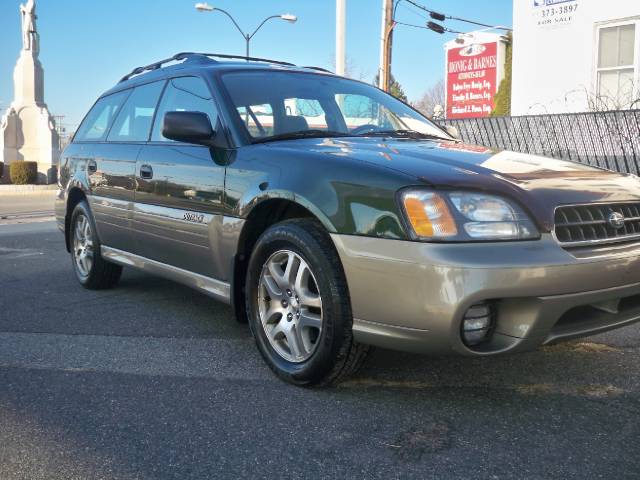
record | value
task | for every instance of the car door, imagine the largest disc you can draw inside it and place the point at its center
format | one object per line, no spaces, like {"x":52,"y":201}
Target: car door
{"x":180,"y":187}
{"x":112,"y":169}
{"x":88,"y":144}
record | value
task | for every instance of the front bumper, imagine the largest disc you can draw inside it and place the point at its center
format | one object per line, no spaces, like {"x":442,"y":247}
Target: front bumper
{"x":413,"y":296}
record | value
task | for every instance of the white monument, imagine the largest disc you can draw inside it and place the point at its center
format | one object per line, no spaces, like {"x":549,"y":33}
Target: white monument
{"x":27,"y":129}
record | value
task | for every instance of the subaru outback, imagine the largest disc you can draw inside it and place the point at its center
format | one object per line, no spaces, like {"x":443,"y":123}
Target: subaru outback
{"x":333,"y":217}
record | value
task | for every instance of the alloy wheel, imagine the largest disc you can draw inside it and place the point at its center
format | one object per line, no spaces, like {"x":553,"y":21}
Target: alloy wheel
{"x":83,"y":245}
{"x":290,"y":306}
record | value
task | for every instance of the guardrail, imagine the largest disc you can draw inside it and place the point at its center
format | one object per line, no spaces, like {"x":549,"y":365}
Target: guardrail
{"x":606,"y":139}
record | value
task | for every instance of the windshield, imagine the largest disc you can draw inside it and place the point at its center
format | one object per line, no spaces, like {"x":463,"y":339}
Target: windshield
{"x":275,"y":105}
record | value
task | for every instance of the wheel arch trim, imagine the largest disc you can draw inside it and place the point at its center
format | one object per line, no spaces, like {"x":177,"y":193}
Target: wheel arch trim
{"x":70,"y":193}
{"x":239,"y":260}
{"x":248,"y":206}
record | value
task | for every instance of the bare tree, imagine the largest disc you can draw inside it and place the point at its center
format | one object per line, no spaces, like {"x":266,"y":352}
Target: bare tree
{"x":434,"y":95}
{"x":352,"y":70}
{"x":619,"y":99}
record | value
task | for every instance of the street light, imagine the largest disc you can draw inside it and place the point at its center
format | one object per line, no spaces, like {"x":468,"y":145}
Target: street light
{"x":287,"y":17}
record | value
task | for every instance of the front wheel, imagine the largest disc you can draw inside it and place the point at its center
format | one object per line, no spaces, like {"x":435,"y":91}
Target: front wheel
{"x":298,"y":305}
{"x":92,"y":271}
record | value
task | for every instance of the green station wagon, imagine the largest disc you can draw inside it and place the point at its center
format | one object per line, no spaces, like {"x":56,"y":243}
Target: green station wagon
{"x":333,"y":217}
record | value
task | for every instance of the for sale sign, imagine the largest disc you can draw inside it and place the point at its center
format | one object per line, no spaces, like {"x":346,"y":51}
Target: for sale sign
{"x":472,"y":74}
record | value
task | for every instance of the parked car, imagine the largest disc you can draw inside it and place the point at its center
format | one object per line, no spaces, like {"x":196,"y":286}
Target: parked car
{"x":370,"y":226}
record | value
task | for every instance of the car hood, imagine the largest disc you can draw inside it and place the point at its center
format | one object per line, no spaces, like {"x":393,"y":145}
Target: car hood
{"x":538,"y":183}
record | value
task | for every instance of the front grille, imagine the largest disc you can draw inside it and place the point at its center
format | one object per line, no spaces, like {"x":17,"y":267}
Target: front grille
{"x":589,"y":224}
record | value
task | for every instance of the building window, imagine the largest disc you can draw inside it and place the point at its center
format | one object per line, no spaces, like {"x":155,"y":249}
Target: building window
{"x":617,"y":66}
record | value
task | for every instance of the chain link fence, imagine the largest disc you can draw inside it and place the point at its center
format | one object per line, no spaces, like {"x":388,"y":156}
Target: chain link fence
{"x":605,"y":139}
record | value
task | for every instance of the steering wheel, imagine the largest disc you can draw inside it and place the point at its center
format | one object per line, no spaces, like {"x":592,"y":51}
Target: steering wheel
{"x":364,"y":128}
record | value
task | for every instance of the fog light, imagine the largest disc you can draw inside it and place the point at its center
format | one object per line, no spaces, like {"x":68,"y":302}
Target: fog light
{"x":477,"y":324}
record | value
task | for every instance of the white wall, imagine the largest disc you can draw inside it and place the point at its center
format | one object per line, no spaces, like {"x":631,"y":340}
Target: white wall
{"x":554,"y":63}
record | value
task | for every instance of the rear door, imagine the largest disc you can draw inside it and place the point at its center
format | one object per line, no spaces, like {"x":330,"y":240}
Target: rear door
{"x":89,"y":143}
{"x":112,"y":175}
{"x":180,"y":187}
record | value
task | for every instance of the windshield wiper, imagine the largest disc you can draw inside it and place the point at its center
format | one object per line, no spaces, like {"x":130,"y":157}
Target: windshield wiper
{"x":301,"y":134}
{"x":402,"y":133}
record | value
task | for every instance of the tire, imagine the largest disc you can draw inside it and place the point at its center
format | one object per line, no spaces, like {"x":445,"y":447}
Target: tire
{"x":92,"y":271}
{"x":302,"y":324}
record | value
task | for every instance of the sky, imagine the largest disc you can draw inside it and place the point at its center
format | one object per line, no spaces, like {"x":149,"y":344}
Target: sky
{"x":87,"y":46}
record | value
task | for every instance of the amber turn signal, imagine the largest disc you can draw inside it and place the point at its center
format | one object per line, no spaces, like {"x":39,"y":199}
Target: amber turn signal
{"x":429,"y":215}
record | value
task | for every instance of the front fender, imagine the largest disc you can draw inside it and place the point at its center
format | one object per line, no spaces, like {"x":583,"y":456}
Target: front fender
{"x":347,"y":197}
{"x":249,"y":202}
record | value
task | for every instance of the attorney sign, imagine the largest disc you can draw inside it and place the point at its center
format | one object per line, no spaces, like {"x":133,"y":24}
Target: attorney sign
{"x":472,"y":79}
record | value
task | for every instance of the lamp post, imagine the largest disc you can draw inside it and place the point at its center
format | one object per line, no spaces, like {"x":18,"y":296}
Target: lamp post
{"x":287,"y":17}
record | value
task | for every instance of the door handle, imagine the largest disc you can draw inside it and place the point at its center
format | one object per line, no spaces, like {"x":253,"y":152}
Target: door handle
{"x":92,"y":166}
{"x":146,"y":172}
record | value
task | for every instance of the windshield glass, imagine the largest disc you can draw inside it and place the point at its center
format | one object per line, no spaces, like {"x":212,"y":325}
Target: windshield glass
{"x":275,"y":105}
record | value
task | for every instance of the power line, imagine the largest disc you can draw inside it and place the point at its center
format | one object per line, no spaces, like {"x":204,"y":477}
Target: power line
{"x":442,"y":17}
{"x":411,"y":10}
{"x":430,"y":26}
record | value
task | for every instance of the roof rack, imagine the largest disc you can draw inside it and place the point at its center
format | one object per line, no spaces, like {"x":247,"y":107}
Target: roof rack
{"x":320,"y":69}
{"x":193,"y":56}
{"x":153,"y":66}
{"x":242,"y":57}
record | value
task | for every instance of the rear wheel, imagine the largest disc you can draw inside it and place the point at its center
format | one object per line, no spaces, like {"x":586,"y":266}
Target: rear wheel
{"x":91,"y":270}
{"x":298,"y":305}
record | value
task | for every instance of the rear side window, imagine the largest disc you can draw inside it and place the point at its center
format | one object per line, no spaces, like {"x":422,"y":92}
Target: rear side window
{"x":96,"y":124}
{"x":184,"y":94}
{"x":134,"y":120}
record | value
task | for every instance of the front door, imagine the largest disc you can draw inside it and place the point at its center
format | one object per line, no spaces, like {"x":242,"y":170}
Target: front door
{"x":179,"y":196}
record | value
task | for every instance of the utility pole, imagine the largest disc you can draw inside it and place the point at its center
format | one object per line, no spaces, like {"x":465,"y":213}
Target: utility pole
{"x":340,"y":37}
{"x":386,"y":40}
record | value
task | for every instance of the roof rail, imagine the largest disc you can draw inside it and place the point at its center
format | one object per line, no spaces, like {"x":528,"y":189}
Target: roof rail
{"x":242,"y":57}
{"x":193,"y":55}
{"x":155,"y":66}
{"x":320,"y":69}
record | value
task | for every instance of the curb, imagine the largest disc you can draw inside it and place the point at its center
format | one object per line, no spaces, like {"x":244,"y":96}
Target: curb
{"x":7,"y":190}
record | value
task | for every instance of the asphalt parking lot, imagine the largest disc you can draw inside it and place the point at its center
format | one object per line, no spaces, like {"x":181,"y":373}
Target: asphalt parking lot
{"x":154,"y":381}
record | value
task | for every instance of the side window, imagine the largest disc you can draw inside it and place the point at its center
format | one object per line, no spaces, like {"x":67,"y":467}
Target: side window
{"x":359,"y":110}
{"x":258,"y":119}
{"x":133,"y":123}
{"x":95,"y":126}
{"x":184,"y":94}
{"x":307,"y":113}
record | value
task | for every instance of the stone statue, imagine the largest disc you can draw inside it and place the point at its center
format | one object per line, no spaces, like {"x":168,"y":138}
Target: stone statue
{"x":29,"y":31}
{"x":27,"y":129}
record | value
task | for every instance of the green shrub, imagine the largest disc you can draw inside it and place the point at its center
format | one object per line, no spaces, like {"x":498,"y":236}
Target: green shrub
{"x":502,"y":99}
{"x":23,"y":173}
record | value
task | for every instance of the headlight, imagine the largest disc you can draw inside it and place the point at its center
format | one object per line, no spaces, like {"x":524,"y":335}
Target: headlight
{"x":465,"y":216}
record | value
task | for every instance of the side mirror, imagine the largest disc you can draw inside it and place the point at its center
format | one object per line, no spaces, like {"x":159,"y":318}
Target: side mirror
{"x":453,"y":131}
{"x":188,"y":127}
